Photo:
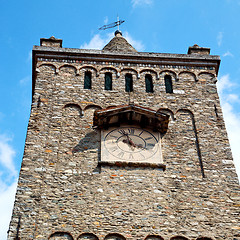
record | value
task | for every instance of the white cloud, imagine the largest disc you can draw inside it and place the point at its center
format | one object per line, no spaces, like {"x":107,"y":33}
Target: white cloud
{"x":232,"y":118}
{"x":98,"y":41}
{"x":227,"y":54}
{"x":8,"y":182}
{"x":233,"y":98}
{"x":219,"y":38}
{"x":141,"y":2}
{"x":6,"y":155}
{"x":223,"y":84}
{"x":7,"y":195}
{"x":232,"y":121}
{"x":135,"y":43}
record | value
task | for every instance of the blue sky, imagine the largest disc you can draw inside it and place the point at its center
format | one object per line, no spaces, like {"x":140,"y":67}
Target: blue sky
{"x":151,"y":25}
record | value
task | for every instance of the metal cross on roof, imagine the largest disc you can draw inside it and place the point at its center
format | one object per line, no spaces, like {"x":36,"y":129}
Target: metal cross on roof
{"x":112,"y":25}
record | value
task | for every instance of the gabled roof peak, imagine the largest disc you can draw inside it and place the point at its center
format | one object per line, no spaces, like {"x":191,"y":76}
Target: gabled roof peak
{"x":131,"y":114}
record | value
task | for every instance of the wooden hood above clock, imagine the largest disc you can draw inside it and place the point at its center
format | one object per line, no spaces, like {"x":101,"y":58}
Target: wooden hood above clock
{"x":132,"y":115}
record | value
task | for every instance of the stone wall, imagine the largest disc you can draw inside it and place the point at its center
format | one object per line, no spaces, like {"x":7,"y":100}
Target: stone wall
{"x":63,"y":193}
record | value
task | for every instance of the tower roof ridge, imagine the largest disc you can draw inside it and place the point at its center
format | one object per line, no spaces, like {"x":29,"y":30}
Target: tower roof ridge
{"x":119,"y":44}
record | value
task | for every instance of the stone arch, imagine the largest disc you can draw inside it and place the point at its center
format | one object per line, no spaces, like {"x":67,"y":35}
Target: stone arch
{"x":193,"y":75}
{"x":171,"y":73}
{"x":107,"y":69}
{"x":92,"y":106}
{"x":130,"y":70}
{"x":185,"y":111}
{"x":196,"y":137}
{"x":210,"y":77}
{"x":146,"y":71}
{"x":49,"y":66}
{"x":153,"y":237}
{"x":69,"y":69}
{"x":89,"y":68}
{"x":60,"y":236}
{"x":167,"y":111}
{"x":74,"y":106}
{"x":204,"y":238}
{"x":179,"y":238}
{"x":114,"y":236}
{"x":87,"y":236}
{"x":208,"y":73}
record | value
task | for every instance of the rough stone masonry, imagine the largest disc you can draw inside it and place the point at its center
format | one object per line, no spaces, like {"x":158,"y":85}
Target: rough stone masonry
{"x":63,"y":190}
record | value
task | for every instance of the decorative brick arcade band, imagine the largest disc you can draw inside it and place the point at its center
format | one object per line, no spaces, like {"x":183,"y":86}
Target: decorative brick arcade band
{"x":113,"y":236}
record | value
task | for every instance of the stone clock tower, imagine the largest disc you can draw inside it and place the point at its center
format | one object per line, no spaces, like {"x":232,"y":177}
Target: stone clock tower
{"x":125,"y":145}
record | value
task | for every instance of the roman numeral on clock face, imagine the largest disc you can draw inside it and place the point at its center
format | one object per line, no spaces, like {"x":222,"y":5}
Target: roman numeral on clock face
{"x":140,"y":133}
{"x":122,"y":132}
{"x":131,"y":131}
{"x":148,"y":138}
{"x":150,"y":144}
{"x":120,"y":154}
{"x":131,"y":157}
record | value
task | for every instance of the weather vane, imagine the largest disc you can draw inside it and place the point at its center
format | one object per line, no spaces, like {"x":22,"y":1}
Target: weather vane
{"x":112,"y":25}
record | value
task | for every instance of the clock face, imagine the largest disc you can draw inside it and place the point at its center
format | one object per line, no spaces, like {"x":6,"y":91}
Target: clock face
{"x":131,"y":144}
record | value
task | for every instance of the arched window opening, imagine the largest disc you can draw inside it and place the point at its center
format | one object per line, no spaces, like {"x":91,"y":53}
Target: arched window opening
{"x":61,"y":236}
{"x":168,"y":84}
{"x":178,"y":238}
{"x":114,"y":236}
{"x":88,"y":236}
{"x":128,"y":82}
{"x":204,"y":238}
{"x":108,"y":81}
{"x":153,"y":237}
{"x":149,"y":83}
{"x":88,"y":80}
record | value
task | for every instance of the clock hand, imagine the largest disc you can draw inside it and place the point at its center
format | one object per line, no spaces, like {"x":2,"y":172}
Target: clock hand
{"x":125,"y":141}
{"x":129,"y":141}
{"x":139,"y":146}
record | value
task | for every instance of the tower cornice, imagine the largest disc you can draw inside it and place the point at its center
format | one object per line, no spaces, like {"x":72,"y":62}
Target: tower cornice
{"x":73,"y":55}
